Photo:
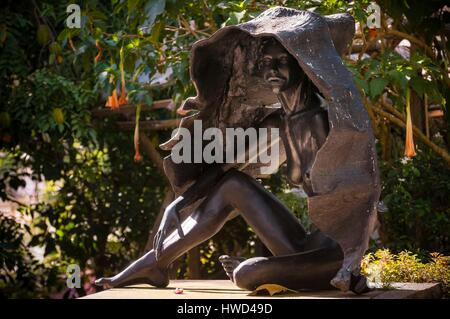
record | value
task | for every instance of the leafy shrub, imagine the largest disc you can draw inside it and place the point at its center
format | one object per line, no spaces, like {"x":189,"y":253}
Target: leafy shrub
{"x":416,"y":192}
{"x":386,"y":268}
{"x":21,"y":275}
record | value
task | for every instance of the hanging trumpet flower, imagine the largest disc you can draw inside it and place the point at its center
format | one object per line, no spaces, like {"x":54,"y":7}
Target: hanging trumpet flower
{"x":137,"y":155}
{"x":409,"y":142}
{"x":123,"y":100}
{"x":113,"y":101}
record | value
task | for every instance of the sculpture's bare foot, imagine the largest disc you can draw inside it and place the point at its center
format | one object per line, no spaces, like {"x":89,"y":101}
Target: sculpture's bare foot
{"x":229,"y":264}
{"x":134,"y":275}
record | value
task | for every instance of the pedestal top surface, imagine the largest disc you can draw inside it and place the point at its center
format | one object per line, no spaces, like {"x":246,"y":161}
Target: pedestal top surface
{"x":225,"y":289}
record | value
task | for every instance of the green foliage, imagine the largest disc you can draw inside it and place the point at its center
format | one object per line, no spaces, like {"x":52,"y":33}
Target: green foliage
{"x":33,"y":102}
{"x":297,"y":205}
{"x":92,"y":215}
{"x":21,"y":275}
{"x":420,"y":16}
{"x":416,"y":192}
{"x":385,"y":268}
{"x":389,"y":72}
{"x":94,"y":210}
{"x":100,"y":204}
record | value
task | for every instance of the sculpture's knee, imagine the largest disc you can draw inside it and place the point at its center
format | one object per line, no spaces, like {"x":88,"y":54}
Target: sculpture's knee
{"x":241,"y":276}
{"x":233,"y":176}
{"x":233,"y":181}
{"x":248,"y":275}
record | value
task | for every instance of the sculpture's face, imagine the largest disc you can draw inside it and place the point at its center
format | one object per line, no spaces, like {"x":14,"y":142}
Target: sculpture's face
{"x":278,"y":67}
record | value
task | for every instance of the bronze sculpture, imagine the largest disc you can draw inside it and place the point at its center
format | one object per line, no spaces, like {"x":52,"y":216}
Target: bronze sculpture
{"x":291,"y":57}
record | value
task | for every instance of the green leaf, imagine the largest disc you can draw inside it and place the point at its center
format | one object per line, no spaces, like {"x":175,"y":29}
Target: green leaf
{"x":132,"y":5}
{"x":398,"y":78}
{"x":154,"y":38}
{"x":63,"y":35}
{"x":362,"y":84}
{"x":419,"y":85}
{"x":55,"y":48}
{"x":234,"y":18}
{"x":148,"y":99}
{"x":43,"y":34}
{"x":376,"y":87}
{"x":51,"y":58}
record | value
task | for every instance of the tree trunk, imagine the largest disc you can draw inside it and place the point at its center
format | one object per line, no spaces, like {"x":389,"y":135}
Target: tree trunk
{"x":193,"y":263}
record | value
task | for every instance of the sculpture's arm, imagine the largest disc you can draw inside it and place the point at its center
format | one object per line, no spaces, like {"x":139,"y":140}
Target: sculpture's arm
{"x":202,"y":185}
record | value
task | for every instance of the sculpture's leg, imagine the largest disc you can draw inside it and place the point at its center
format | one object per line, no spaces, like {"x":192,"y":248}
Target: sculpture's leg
{"x":273,"y":223}
{"x":307,"y":270}
{"x":315,"y":240}
{"x":143,"y":270}
{"x":312,"y":268}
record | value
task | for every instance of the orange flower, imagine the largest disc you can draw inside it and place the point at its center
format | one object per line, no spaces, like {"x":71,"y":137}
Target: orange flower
{"x":112,"y":100}
{"x":409,"y":141}
{"x":99,"y":55}
{"x":137,"y":155}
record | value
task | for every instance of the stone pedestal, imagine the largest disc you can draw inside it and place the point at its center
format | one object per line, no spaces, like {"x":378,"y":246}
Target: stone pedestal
{"x":225,"y":289}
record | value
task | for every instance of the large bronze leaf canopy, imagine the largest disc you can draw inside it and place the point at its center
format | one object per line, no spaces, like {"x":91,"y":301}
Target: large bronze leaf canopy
{"x":345,"y":173}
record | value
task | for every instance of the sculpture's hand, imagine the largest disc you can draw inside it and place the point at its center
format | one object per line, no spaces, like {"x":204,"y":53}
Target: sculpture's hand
{"x":170,"y":218}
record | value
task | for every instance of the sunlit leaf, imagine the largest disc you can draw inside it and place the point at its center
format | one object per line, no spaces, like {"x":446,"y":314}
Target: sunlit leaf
{"x":271,"y":289}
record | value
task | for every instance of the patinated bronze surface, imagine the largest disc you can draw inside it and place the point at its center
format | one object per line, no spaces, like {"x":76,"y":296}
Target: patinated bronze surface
{"x":292,"y":58}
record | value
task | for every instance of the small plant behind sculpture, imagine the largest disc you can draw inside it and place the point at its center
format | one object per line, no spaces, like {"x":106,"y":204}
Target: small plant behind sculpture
{"x":384,"y":267}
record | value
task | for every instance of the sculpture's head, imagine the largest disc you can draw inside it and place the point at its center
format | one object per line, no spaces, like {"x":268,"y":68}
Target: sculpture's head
{"x":278,"y":67}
